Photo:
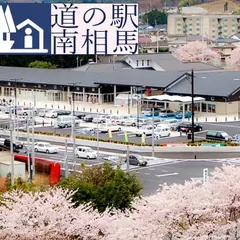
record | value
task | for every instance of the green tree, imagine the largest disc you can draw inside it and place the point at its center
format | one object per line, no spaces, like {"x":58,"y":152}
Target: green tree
{"x":154,"y":17}
{"x":42,"y":64}
{"x":185,"y":3}
{"x":103,"y":187}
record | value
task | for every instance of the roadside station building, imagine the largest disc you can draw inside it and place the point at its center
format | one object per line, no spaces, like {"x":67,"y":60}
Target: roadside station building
{"x":101,"y":83}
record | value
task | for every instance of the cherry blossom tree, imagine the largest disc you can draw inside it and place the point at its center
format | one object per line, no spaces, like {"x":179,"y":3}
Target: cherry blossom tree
{"x":193,"y":211}
{"x":233,"y":62}
{"x":197,"y":52}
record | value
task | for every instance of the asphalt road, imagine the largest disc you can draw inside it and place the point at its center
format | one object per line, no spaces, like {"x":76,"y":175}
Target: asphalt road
{"x":151,"y":177}
{"x":230,"y":128}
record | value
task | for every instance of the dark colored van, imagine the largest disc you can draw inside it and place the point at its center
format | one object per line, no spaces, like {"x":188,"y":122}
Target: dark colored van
{"x":16,"y":145}
{"x":218,"y":135}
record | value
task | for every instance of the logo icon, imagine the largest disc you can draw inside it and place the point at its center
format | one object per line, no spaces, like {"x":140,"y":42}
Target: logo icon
{"x":8,"y":29}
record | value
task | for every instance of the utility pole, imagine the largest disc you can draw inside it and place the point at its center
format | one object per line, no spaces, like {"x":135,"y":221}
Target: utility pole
{"x":73,"y":130}
{"x":66,"y":158}
{"x":153,"y":142}
{"x":11,"y":146}
{"x":33,"y":140}
{"x":98,"y":141}
{"x":192,"y":93}
{"x":29,"y":154}
{"x":128,"y":158}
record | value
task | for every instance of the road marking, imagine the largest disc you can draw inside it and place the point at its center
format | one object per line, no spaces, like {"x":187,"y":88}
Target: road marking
{"x":164,"y":170}
{"x":147,"y":173}
{"x":221,"y":125}
{"x":196,"y":179}
{"x":167,"y":174}
{"x":152,"y":169}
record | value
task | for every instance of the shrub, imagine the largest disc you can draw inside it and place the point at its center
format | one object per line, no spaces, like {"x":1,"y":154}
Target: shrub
{"x":103,"y":187}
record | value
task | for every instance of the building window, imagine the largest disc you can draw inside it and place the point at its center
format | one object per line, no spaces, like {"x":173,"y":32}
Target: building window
{"x":142,"y":62}
{"x":198,"y":24}
{"x":137,"y":63}
{"x":225,"y":20}
{"x":212,"y":108}
{"x":147,"y":62}
{"x":213,"y":30}
{"x":198,"y":29}
{"x":179,"y":29}
{"x":213,"y":20}
{"x":190,"y":29}
{"x":179,"y":24}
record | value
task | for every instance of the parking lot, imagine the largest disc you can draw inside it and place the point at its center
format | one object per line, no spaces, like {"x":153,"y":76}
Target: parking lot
{"x":89,"y":129}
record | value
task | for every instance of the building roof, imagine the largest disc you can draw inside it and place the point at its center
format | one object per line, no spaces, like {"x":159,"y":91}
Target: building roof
{"x":46,"y":76}
{"x":102,"y":67}
{"x":147,"y":78}
{"x":221,"y":84}
{"x":171,"y":64}
{"x":226,"y":40}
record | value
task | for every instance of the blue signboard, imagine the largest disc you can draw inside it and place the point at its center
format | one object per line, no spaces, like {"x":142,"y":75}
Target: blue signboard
{"x":68,"y":29}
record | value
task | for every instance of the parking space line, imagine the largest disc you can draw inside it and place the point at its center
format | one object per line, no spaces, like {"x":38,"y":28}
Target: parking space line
{"x":167,"y":174}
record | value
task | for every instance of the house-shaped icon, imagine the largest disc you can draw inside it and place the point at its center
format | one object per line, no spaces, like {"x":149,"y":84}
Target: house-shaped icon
{"x":36,"y":27}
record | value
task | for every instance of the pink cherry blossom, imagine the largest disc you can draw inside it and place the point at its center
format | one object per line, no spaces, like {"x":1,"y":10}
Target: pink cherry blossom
{"x":197,"y":52}
{"x":233,"y":62}
{"x":193,"y":211}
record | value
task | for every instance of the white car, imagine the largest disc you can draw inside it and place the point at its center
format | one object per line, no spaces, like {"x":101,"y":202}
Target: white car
{"x":172,"y":123}
{"x":85,"y":152}
{"x":104,"y":128}
{"x":162,"y":131}
{"x":146,"y":130}
{"x":51,"y":114}
{"x":45,"y":147}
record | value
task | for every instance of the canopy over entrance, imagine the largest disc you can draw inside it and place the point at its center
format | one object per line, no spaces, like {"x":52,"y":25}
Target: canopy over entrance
{"x":179,"y":99}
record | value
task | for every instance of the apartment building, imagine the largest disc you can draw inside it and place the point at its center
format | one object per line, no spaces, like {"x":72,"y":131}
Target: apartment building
{"x":210,"y":26}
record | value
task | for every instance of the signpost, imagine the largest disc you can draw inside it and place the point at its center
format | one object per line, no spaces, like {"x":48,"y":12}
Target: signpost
{"x":205,"y":175}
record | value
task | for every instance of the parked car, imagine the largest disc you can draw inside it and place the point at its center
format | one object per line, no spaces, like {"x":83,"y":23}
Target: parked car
{"x":66,"y":121}
{"x":136,"y":159}
{"x":80,"y":115}
{"x":42,"y":112}
{"x":25,"y":111}
{"x":166,"y":113}
{"x":236,"y":138}
{"x":51,"y":114}
{"x":101,"y":118}
{"x":63,"y":112}
{"x":104,"y":128}
{"x":162,"y":131}
{"x":218,"y":135}
{"x":16,"y":144}
{"x":146,"y":130}
{"x":179,"y":114}
{"x":45,"y":147}
{"x":85,"y":152}
{"x":121,"y":119}
{"x":113,"y":160}
{"x":148,"y":112}
{"x":88,"y":118}
{"x":172,"y":123}
{"x":187,"y":127}
{"x":135,"y":122}
{"x":84,"y":131}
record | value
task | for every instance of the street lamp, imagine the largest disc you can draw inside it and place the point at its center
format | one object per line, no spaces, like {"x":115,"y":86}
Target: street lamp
{"x":157,"y":41}
{"x":16,"y":80}
{"x":73,"y":122}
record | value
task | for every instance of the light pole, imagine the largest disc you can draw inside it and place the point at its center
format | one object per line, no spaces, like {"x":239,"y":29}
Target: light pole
{"x":33,"y":123}
{"x":73,"y":123}
{"x":11,"y":145}
{"x":192,"y":94}
{"x":15,"y":107}
{"x":157,"y":41}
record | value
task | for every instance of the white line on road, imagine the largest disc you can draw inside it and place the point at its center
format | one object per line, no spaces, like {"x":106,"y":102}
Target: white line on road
{"x":147,"y":173}
{"x":221,"y":125}
{"x":167,"y":174}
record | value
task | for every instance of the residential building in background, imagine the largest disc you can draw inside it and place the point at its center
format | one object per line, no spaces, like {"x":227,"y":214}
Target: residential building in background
{"x":210,"y":26}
